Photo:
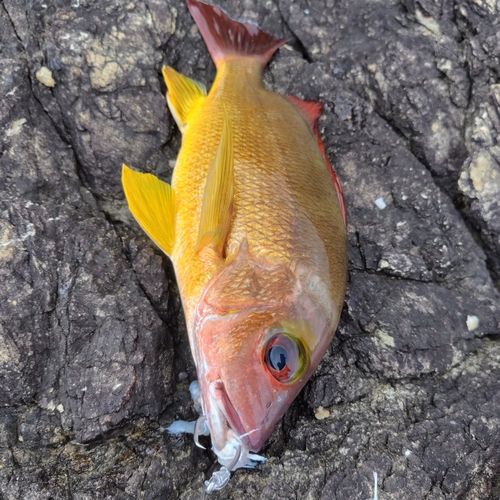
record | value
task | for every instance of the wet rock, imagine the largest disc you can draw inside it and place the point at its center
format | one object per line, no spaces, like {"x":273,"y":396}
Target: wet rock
{"x":94,"y":359}
{"x":480,"y":176}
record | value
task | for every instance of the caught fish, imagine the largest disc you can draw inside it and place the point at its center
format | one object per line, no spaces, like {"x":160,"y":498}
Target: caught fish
{"x":254,"y":223}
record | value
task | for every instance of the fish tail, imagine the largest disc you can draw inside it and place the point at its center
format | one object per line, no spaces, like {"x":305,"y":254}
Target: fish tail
{"x":225,"y":36}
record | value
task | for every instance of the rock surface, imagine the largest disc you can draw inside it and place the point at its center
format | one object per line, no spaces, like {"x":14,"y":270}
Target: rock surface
{"x":94,"y":360}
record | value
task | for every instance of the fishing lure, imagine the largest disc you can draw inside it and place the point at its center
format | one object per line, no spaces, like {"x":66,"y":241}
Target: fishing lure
{"x":254,"y":223}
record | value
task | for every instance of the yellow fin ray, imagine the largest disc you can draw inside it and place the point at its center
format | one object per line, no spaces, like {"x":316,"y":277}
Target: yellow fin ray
{"x":216,"y":209}
{"x":183,"y":95}
{"x":152,"y":203}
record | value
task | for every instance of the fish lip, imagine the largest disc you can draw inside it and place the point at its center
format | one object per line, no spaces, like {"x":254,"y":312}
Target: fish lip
{"x":221,"y":406}
{"x":233,"y":425}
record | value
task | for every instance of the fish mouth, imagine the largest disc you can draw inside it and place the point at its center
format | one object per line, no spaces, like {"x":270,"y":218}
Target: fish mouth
{"x":223,"y":414}
{"x":228,"y":434}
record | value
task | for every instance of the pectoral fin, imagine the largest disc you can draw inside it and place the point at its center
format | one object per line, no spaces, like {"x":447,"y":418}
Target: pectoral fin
{"x":216,"y":210}
{"x":152,"y":203}
{"x":184,"y":95}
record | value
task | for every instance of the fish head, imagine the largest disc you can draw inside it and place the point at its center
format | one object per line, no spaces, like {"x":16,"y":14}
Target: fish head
{"x":260,"y":332}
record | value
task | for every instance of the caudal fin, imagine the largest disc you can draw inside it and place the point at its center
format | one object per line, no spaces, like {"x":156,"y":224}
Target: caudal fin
{"x":225,"y":36}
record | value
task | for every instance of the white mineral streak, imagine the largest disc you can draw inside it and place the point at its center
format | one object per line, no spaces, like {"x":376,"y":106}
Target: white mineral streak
{"x":15,"y":128}
{"x":481,"y":180}
{"x":428,"y":22}
{"x":30,"y":231}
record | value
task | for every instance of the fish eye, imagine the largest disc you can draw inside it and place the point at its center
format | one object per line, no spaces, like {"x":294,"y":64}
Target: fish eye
{"x":285,"y":357}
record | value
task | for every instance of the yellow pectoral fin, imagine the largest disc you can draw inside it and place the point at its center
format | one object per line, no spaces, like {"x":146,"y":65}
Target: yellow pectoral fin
{"x":216,"y":210}
{"x":183,"y":95}
{"x":152,"y":203}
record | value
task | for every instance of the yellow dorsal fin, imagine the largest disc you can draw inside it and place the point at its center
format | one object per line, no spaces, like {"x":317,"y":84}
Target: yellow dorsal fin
{"x":184,"y":95}
{"x":152,"y":203}
{"x":216,"y":210}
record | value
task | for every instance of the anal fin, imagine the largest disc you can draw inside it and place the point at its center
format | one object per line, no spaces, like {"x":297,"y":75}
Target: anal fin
{"x":184,"y":95}
{"x":311,"y":109}
{"x":152,"y":203}
{"x":216,"y":209}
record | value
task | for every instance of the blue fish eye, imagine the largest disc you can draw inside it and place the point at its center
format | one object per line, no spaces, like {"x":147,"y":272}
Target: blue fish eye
{"x":277,"y":358}
{"x":285,"y":357}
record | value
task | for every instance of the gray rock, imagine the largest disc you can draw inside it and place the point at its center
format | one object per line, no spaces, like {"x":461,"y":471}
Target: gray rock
{"x":94,"y":358}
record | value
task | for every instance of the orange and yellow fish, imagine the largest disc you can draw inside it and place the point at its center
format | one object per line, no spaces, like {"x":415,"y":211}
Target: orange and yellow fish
{"x":254,"y":223}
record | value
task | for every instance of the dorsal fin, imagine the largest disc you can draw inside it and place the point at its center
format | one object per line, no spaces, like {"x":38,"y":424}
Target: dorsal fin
{"x":312,"y":111}
{"x":152,"y":203}
{"x":225,"y":36}
{"x":216,"y":209}
{"x":184,"y":95}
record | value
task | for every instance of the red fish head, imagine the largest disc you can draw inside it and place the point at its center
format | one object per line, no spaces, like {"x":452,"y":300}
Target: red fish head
{"x":259,"y":335}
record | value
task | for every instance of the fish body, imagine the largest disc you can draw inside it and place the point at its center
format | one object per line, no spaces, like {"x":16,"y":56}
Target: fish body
{"x":257,"y":236}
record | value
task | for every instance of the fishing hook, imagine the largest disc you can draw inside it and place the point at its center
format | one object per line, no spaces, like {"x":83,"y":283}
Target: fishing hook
{"x":237,"y":455}
{"x":196,"y":433}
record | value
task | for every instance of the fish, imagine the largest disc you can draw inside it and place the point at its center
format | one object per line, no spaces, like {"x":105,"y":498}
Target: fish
{"x":254,"y":223}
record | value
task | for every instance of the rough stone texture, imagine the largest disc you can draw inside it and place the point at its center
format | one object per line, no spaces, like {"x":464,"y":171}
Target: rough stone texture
{"x":92,"y":340}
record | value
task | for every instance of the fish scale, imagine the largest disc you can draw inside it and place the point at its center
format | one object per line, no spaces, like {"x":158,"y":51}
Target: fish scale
{"x":259,"y":175}
{"x":278,"y":211}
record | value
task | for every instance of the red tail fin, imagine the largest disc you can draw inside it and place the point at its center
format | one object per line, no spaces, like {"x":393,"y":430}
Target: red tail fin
{"x":312,"y":110}
{"x":225,"y":36}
